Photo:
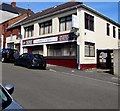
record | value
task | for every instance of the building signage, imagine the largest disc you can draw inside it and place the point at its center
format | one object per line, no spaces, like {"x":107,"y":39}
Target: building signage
{"x":27,"y":42}
{"x":45,"y":40}
{"x":75,"y":22}
{"x":64,"y":37}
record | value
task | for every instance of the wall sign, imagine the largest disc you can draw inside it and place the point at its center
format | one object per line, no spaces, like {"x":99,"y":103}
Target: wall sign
{"x":45,"y":40}
{"x":64,"y":37}
{"x":27,"y":42}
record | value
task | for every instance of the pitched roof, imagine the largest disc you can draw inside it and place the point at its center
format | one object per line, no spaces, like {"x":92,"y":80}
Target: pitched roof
{"x":10,"y":8}
{"x":49,"y":11}
{"x":58,"y":9}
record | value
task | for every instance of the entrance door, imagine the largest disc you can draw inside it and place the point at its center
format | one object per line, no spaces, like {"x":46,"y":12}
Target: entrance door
{"x":105,"y":59}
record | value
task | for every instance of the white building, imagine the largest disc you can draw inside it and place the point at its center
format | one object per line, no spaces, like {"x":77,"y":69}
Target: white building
{"x":71,"y":35}
{"x":9,"y":12}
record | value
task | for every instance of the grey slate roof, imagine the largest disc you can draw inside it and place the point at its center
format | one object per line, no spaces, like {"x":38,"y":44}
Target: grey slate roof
{"x":10,"y":8}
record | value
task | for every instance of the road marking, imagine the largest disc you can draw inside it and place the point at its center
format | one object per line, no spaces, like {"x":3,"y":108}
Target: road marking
{"x":117,"y":84}
{"x":52,"y":70}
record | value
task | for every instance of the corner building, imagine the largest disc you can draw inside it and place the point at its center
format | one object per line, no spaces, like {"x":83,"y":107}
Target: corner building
{"x":70,"y":35}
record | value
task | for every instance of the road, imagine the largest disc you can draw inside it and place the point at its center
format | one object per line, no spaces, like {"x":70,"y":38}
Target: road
{"x":50,"y":89}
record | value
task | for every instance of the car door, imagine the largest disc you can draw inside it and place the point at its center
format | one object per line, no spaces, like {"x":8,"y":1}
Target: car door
{"x":24,"y":59}
{"x":21,"y":60}
{"x":1,"y":54}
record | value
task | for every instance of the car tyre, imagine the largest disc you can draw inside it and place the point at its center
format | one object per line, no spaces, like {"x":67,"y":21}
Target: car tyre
{"x":28,"y":65}
{"x":15,"y":63}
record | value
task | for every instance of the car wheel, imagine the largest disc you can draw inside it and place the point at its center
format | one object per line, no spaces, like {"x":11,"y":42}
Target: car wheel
{"x":44,"y":68}
{"x":3,"y":59}
{"x":15,"y":63}
{"x":28,"y":65}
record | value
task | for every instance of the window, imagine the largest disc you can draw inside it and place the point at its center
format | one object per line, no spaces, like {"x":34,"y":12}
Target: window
{"x":65,"y":23}
{"x":108,"y":29}
{"x":118,"y":33}
{"x":46,"y":27}
{"x":29,"y":31}
{"x":89,"y":49}
{"x":62,"y":50}
{"x":114,"y":33}
{"x":89,"y":22}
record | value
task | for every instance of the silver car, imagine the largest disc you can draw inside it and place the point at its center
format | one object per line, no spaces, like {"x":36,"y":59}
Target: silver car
{"x":6,"y":100}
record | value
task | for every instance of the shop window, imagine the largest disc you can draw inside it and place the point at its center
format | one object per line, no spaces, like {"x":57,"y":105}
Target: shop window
{"x":62,"y":50}
{"x":65,"y":23}
{"x":45,"y":28}
{"x":114,"y":32}
{"x":89,"y":22}
{"x":89,"y":49}
{"x":108,"y":29}
{"x":29,"y":31}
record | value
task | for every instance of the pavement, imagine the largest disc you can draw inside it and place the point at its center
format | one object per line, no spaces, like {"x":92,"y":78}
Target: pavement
{"x":98,"y":74}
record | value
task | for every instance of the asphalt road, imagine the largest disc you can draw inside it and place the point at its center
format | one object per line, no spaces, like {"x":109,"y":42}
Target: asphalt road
{"x":50,"y":89}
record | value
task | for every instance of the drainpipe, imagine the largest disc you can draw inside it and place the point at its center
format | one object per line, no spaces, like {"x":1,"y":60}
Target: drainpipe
{"x":78,"y":56}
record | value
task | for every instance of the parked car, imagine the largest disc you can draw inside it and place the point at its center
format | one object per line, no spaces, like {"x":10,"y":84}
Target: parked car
{"x":7,"y":54}
{"x":31,"y":60}
{"x":6,"y":100}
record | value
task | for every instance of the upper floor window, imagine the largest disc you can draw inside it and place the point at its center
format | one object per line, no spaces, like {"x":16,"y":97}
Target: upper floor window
{"x":118,"y":33}
{"x":45,"y":28}
{"x":65,"y":23}
{"x":108,"y":29}
{"x":89,"y":49}
{"x":29,"y":31}
{"x":89,"y":22}
{"x":114,"y":32}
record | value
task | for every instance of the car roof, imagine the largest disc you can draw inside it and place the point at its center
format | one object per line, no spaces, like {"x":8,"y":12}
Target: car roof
{"x":32,"y":54}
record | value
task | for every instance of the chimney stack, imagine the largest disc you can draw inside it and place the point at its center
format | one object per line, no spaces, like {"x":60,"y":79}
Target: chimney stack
{"x":13,"y":4}
{"x":29,"y":12}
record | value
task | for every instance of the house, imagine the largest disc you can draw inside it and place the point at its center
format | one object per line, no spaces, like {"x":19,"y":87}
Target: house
{"x":71,"y":35}
{"x":10,"y":14}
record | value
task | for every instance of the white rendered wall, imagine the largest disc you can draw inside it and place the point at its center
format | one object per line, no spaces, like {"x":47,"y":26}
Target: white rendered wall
{"x":4,"y":16}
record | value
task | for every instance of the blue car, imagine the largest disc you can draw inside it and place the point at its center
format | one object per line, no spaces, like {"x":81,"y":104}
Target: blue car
{"x":6,"y":100}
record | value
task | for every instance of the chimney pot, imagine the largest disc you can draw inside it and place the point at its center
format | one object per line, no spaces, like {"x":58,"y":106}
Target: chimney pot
{"x":13,"y":4}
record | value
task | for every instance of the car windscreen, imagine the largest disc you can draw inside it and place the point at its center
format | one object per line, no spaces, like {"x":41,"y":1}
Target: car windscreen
{"x":5,"y":99}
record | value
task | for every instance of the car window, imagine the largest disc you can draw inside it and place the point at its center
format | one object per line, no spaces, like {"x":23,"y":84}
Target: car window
{"x":23,"y":56}
{"x":16,"y":51}
{"x":5,"y":99}
{"x":1,"y":51}
{"x":30,"y":56}
{"x":37,"y":56}
{"x":4,"y":51}
{"x":2,"y":97}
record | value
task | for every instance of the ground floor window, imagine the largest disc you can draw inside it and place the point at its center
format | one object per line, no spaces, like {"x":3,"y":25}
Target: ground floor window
{"x":17,"y":46}
{"x":10,"y":45}
{"x":62,"y":49}
{"x":89,"y":49}
{"x":36,"y":50}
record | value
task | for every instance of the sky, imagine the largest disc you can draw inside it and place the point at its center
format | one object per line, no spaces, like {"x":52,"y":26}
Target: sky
{"x":109,"y":9}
